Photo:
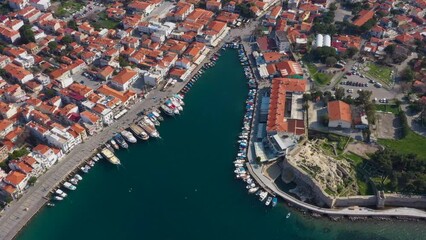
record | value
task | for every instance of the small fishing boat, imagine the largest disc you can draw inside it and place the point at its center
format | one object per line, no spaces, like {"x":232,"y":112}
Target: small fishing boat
{"x":288,"y":215}
{"x":60,"y":193}
{"x":57,"y":198}
{"x":92,"y":163}
{"x":253,"y":190}
{"x":85,"y":170}
{"x":74,"y":181}
{"x":99,"y":155}
{"x":114,"y":144}
{"x":69,"y":186}
{"x":78,"y":177}
{"x":268,"y":201}
{"x":49,"y":204}
{"x":274,"y":201}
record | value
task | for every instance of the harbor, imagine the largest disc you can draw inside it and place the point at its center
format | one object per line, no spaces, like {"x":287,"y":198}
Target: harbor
{"x":121,"y":201}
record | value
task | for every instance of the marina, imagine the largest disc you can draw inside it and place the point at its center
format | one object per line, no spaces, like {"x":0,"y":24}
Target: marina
{"x":189,"y":188}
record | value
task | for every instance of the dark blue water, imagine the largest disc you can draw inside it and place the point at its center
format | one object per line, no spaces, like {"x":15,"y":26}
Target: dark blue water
{"x":183,"y":186}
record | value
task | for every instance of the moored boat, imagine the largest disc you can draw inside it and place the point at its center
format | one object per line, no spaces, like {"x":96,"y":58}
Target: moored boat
{"x":274,"y":201}
{"x":268,"y":201}
{"x":128,"y":136}
{"x":263,"y":195}
{"x":114,"y":144}
{"x":120,"y":140}
{"x":58,"y":198}
{"x":253,"y":190}
{"x":60,"y":193}
{"x":151,"y":130}
{"x":110,"y":156}
{"x":69,"y":186}
{"x":78,"y":177}
{"x":139,"y":132}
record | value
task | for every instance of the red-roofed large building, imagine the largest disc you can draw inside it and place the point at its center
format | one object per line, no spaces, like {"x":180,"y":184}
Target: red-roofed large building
{"x":363,"y":17}
{"x":284,"y":115}
{"x":15,"y":183}
{"x":124,"y":79}
{"x":339,"y":114}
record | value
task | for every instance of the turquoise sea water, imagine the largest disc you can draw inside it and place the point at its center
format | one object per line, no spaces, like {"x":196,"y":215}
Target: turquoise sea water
{"x":183,"y":186}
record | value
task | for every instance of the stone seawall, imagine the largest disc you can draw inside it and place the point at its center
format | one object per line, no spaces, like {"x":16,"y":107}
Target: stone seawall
{"x":322,"y":199}
{"x":397,"y":200}
{"x":303,"y":179}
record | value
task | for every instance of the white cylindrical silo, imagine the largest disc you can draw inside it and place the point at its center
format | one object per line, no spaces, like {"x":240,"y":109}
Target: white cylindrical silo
{"x":327,"y":41}
{"x":319,"y":41}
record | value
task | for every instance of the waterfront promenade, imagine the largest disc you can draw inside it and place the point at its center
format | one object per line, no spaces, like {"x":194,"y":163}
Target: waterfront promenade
{"x":17,"y":214}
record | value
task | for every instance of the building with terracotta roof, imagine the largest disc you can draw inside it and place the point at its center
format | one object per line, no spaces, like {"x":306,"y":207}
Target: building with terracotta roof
{"x":363,"y":17}
{"x":6,"y":126}
{"x":45,"y":154}
{"x":285,"y":113}
{"x":123,"y":80}
{"x":18,"y":73}
{"x":181,"y":11}
{"x":17,"y":180}
{"x":339,"y":114}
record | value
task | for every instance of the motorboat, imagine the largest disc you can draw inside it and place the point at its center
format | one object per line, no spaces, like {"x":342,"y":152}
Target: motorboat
{"x":60,"y":193}
{"x":157,"y":115}
{"x":151,"y":130}
{"x":114,"y":144}
{"x":148,"y":121}
{"x":139,"y":132}
{"x":58,"y":198}
{"x":128,"y":136}
{"x":69,"y":186}
{"x":99,"y":155}
{"x":92,"y":163}
{"x":253,"y":190}
{"x":263,"y":195}
{"x":110,"y":156}
{"x":49,"y":204}
{"x":109,"y":147}
{"x":268,"y":201}
{"x":95,"y":158}
{"x":288,"y":215}
{"x":85,"y":170}
{"x":274,"y":201}
{"x":120,"y":140}
{"x":78,"y":177}
{"x":252,"y":185}
{"x":74,"y":181}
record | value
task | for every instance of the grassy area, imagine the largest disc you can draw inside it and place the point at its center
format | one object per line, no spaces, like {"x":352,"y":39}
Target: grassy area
{"x":67,"y":8}
{"x":320,"y":78}
{"x":412,"y":143}
{"x":104,"y":22}
{"x":364,"y":186}
{"x":380,"y":72}
{"x":388,"y":108}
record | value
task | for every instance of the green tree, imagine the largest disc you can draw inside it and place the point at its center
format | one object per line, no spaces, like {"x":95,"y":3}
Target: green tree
{"x":406,"y":75}
{"x":364,"y":96}
{"x":27,"y":35}
{"x":72,"y":24}
{"x":32,"y":180}
{"x":330,"y":61}
{"x":350,"y":52}
{"x":339,"y":93}
{"x":66,"y":40}
{"x":53,"y":45}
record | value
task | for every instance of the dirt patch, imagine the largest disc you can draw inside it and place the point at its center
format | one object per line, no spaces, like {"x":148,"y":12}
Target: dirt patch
{"x":388,"y":126}
{"x":362,"y":149}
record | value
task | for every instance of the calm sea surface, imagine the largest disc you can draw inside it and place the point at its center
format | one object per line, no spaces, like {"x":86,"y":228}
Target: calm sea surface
{"x":183,"y":187}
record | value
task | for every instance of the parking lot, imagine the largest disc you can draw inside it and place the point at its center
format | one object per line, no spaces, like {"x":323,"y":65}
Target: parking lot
{"x":356,"y":82}
{"x":80,"y":78}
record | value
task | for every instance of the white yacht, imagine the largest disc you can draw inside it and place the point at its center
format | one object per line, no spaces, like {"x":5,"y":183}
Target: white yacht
{"x":128,"y":136}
